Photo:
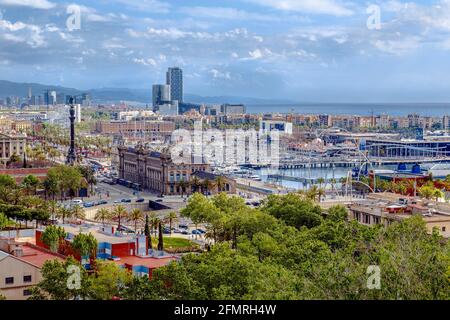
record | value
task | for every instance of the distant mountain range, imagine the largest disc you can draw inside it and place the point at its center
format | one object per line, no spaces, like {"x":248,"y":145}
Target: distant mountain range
{"x":114,"y":95}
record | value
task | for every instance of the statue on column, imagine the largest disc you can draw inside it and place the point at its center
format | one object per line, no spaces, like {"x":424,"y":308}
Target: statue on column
{"x":72,"y":156}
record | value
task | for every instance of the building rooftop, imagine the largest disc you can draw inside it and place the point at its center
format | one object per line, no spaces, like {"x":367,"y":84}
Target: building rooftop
{"x":400,"y":207}
{"x":99,"y":235}
{"x":26,"y":252}
{"x":205,"y":175}
{"x":3,"y":255}
{"x":37,"y":257}
{"x":150,"y":263}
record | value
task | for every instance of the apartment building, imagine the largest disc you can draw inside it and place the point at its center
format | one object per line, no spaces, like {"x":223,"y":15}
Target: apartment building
{"x":128,"y":128}
{"x":20,"y":268}
{"x":387,"y":208}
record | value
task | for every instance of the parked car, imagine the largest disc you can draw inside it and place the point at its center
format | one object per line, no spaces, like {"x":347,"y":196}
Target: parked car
{"x":89,"y":204}
{"x":140,"y":200}
{"x":183,"y":226}
{"x":101,"y":202}
{"x":184,"y":232}
{"x":201,"y":231}
{"x":118,"y":201}
{"x":125,"y":229}
{"x":77,"y":202}
{"x":196,"y":232}
{"x":126,"y":200}
{"x":177,"y":231}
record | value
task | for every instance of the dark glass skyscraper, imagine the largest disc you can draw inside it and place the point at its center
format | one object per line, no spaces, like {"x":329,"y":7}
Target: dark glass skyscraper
{"x":175,"y":80}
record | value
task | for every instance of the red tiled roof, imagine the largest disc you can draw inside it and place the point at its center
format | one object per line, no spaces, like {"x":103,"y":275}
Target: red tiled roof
{"x":37,"y":257}
{"x":150,"y":263}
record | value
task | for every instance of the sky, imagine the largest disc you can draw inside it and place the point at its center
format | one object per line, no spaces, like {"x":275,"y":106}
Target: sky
{"x":299,"y":50}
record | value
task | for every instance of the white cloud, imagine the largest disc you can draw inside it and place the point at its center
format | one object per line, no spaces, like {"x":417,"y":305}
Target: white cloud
{"x":37,"y":4}
{"x":145,"y":62}
{"x":70,"y":38}
{"x":152,"y":6}
{"x":255,"y":54}
{"x":224,"y":13}
{"x":398,"y":47}
{"x":220,"y":75}
{"x":328,"y":7}
{"x":26,"y":33}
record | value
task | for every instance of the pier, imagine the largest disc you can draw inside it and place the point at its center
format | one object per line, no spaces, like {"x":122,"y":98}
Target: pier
{"x":307,"y":181}
{"x":347,"y":162}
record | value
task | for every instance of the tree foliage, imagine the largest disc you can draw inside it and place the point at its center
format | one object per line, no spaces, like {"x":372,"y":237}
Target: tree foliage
{"x":52,"y":237}
{"x":85,"y":245}
{"x":287,"y":250}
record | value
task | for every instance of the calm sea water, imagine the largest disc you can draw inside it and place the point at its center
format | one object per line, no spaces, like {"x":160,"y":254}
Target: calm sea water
{"x":363,"y":109}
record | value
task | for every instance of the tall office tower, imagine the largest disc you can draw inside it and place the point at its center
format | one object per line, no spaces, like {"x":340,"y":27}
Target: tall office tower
{"x":161,"y":94}
{"x":175,"y":81}
{"x":78,"y":113}
{"x":60,"y":98}
{"x":86,"y":99}
{"x":47,"y":97}
{"x":53,"y":97}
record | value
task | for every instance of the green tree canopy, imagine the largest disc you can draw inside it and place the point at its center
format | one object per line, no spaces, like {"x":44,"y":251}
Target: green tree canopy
{"x":85,"y":245}
{"x":293,"y":210}
{"x":52,"y":237}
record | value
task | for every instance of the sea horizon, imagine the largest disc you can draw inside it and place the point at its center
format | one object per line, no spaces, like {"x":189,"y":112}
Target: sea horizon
{"x":361,"y":109}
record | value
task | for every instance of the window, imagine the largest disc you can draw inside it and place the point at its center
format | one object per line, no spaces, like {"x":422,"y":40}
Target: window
{"x":444,"y":229}
{"x":9,"y":280}
{"x":26,"y":292}
{"x":27,"y":279}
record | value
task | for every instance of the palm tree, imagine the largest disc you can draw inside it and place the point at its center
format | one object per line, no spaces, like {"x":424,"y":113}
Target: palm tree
{"x":136,"y":215}
{"x":154,"y":220}
{"x":196,"y":183}
{"x":426,"y":192}
{"x":102,"y":215}
{"x":333,"y":182}
{"x":63,"y":213}
{"x":438,"y":194}
{"x":78,"y":212}
{"x":402,"y":188}
{"x":30,"y":184}
{"x":321,"y":193}
{"x":183,"y":185}
{"x":171,"y":217}
{"x":119,"y":213}
{"x":53,"y":207}
{"x":207,"y":185}
{"x":220,"y":183}
{"x":320,"y":181}
{"x":313,"y":193}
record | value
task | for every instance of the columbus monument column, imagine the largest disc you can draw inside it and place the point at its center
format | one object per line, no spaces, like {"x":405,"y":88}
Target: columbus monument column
{"x":71,"y":156}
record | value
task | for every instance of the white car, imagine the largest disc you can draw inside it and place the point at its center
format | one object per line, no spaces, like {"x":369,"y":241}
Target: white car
{"x":77,"y":202}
